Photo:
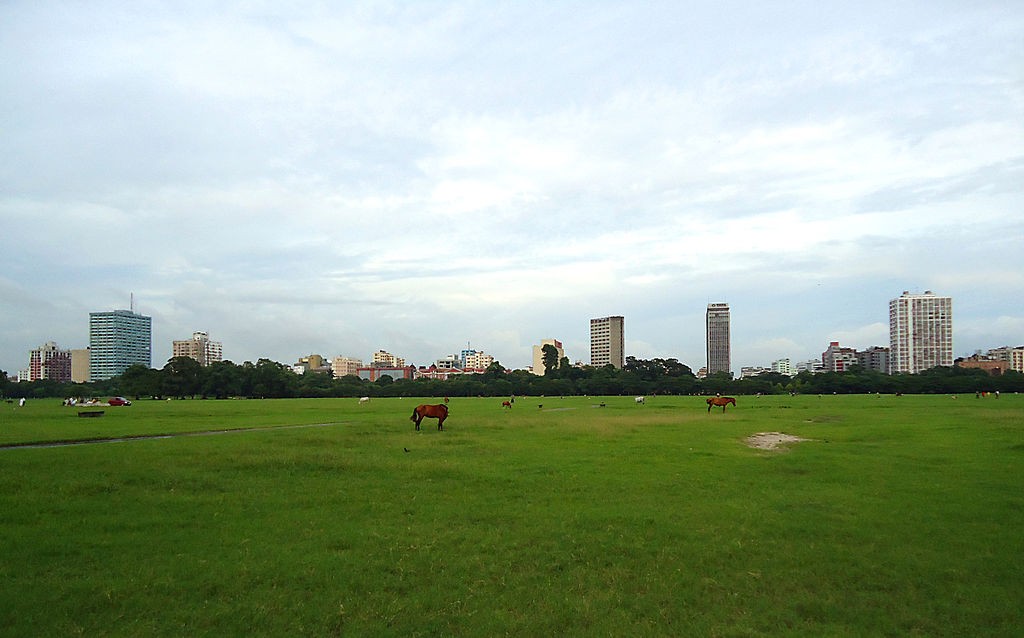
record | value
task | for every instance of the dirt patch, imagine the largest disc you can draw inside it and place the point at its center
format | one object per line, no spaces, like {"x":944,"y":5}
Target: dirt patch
{"x":771,"y":440}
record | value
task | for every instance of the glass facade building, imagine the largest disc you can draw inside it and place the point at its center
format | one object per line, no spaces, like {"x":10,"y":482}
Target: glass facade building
{"x":117,"y":340}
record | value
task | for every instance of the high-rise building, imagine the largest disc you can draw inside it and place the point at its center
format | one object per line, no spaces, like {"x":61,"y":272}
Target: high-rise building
{"x":920,"y":332}
{"x":118,"y":340}
{"x":719,"y":354}
{"x":80,"y":365}
{"x":607,"y":341}
{"x":49,"y":362}
{"x":200,"y":348}
{"x":538,"y":354}
{"x":874,"y":358}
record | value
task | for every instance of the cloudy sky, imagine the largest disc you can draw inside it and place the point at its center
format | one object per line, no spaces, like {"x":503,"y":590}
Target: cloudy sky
{"x":299,"y":178}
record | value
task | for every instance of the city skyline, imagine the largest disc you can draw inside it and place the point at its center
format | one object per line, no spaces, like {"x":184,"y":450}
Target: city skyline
{"x":299,"y":178}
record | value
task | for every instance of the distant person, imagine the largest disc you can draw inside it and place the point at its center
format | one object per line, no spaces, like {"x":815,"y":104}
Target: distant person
{"x":21,"y":402}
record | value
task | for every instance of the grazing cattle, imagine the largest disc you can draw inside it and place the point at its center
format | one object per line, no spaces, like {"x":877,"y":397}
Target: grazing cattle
{"x":639,"y":399}
{"x":439,"y":412}
{"x":506,"y":404}
{"x":363,"y":400}
{"x":720,"y":401}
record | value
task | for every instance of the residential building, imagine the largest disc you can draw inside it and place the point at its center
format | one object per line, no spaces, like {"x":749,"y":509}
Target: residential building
{"x":477,"y":360}
{"x":752,"y":371}
{"x":80,"y":365}
{"x":118,"y":339}
{"x":49,"y":362}
{"x":874,"y":358}
{"x":1015,"y":356}
{"x":837,"y":358}
{"x":781,"y":366}
{"x":312,"y":363}
{"x":200,"y":348}
{"x":538,"y":354}
{"x":344,"y":366}
{"x":920,"y":332}
{"x":814,"y":366}
{"x":607,"y":342}
{"x":718,"y":350}
{"x":383,"y":359}
{"x":449,"y":362}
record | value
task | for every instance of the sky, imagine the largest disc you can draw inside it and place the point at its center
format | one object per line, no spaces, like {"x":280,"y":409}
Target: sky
{"x":419,"y":177}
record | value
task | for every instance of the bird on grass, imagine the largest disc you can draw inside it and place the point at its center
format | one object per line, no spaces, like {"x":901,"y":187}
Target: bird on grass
{"x":406,"y":449}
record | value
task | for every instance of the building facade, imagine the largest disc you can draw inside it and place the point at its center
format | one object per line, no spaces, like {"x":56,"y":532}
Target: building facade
{"x":719,"y":355}
{"x":118,"y":340}
{"x":384,"y":359}
{"x":920,"y":332}
{"x":874,"y":358}
{"x":200,"y":348}
{"x":49,"y":362}
{"x":837,"y":358}
{"x":608,"y":341}
{"x":345,"y":366}
{"x":782,"y":366}
{"x":538,"y":354}
{"x":80,"y":365}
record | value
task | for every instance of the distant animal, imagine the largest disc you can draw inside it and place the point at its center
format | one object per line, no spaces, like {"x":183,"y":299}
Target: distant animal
{"x":506,"y":404}
{"x":446,"y":399}
{"x":720,"y":401}
{"x":406,"y":449}
{"x":439,"y":412}
{"x":363,"y":400}
{"x":639,"y":399}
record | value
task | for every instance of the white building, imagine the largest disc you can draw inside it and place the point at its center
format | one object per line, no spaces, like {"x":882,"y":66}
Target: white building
{"x":781,"y":366}
{"x":384,"y":359}
{"x":920,"y":332}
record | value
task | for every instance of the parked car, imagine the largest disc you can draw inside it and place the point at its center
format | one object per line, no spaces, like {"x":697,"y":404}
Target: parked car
{"x":119,"y":401}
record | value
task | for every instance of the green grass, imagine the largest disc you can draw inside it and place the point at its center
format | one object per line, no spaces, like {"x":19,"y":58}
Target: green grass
{"x":901,"y":517}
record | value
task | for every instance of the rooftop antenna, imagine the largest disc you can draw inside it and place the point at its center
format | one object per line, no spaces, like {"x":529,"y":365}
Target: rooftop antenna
{"x":131,"y":302}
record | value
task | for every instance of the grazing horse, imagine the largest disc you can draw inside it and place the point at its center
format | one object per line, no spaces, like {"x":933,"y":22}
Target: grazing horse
{"x":439,"y":412}
{"x":639,"y":399}
{"x":720,"y":401}
{"x":506,"y":404}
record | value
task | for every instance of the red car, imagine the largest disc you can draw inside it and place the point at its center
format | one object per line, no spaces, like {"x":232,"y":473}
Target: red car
{"x":119,"y":401}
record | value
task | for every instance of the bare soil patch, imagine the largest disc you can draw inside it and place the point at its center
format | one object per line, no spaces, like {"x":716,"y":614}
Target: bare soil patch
{"x":771,"y":440}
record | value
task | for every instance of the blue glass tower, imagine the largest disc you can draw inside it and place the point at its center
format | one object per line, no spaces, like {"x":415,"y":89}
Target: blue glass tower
{"x":117,"y":340}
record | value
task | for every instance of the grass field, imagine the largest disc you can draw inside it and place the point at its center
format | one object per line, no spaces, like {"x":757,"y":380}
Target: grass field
{"x":902,"y":516}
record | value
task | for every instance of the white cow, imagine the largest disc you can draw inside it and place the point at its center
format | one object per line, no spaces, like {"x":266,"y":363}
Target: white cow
{"x":639,"y":399}
{"x":363,"y":400}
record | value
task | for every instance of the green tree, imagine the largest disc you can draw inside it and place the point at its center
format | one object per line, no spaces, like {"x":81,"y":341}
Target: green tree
{"x":550,"y":358}
{"x":182,"y":377}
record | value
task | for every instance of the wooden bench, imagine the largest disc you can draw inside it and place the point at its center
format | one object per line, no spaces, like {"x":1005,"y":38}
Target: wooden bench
{"x":90,"y":413}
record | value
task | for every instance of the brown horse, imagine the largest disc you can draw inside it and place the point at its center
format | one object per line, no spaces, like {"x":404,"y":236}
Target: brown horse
{"x":506,"y":404}
{"x":720,"y":401}
{"x":439,"y":412}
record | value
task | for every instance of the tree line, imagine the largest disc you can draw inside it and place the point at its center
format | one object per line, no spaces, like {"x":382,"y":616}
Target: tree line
{"x":183,"y":377}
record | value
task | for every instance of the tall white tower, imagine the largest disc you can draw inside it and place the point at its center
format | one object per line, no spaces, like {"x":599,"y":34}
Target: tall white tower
{"x":920,"y":332}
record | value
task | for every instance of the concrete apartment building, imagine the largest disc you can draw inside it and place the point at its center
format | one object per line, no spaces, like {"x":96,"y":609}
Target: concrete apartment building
{"x":345,"y":366}
{"x":719,"y":355}
{"x":200,"y":348}
{"x":384,"y":359}
{"x":920,"y":332}
{"x":49,"y":362}
{"x":118,"y":339}
{"x":538,"y":355}
{"x":608,"y":341}
{"x":874,"y":358}
{"x":837,"y":358}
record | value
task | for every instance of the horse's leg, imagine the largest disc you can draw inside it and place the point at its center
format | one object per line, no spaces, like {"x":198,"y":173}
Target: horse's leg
{"x":440,"y":423}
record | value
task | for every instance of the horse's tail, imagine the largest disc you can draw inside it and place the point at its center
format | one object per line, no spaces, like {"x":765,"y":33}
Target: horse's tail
{"x":413,"y":417}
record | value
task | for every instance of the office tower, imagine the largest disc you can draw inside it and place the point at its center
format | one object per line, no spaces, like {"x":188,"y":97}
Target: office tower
{"x":607,"y":341}
{"x":200,"y":348}
{"x":719,"y":355}
{"x":117,"y":340}
{"x":920,"y":332}
{"x":538,"y":354}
